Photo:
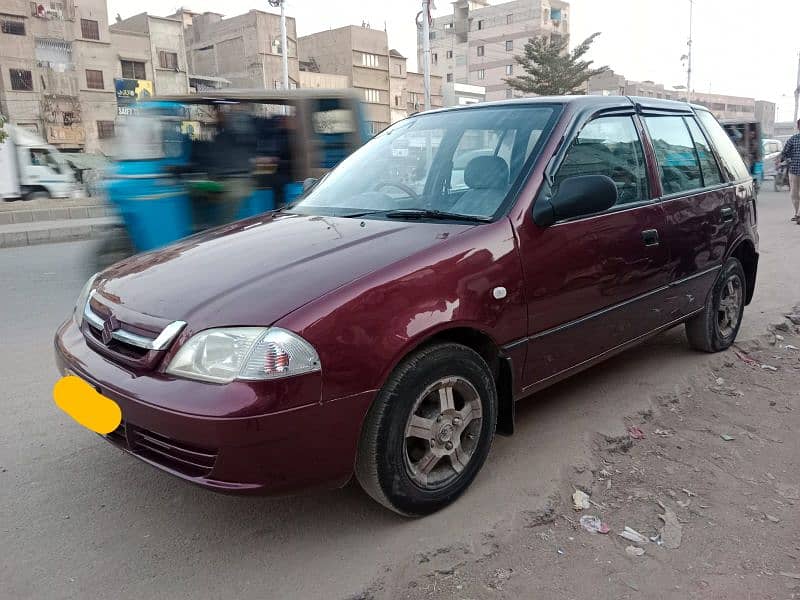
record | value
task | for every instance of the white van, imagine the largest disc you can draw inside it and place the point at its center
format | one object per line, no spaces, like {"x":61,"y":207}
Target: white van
{"x":31,"y":168}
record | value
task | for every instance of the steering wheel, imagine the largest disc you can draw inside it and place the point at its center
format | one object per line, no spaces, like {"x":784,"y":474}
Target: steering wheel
{"x":400,"y":186}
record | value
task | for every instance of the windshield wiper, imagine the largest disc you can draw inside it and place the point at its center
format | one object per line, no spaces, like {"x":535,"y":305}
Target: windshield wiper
{"x":424,"y":213}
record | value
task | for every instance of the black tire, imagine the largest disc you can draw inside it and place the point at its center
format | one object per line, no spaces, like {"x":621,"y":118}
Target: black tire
{"x":383,"y":467}
{"x":716,"y":328}
{"x":37,"y":195}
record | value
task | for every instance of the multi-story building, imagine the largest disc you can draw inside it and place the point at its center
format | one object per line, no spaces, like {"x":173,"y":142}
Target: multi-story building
{"x":152,"y":48}
{"x":378,"y":75}
{"x":63,"y":68}
{"x":407,"y":89}
{"x":724,"y":107}
{"x":476,"y":44}
{"x":58,"y":71}
{"x":244,"y":50}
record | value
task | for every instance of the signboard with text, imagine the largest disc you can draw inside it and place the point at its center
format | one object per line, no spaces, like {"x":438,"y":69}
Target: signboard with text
{"x":128,"y":91}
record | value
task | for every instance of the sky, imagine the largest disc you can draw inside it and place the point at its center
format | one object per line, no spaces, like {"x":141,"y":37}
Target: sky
{"x":740,"y":47}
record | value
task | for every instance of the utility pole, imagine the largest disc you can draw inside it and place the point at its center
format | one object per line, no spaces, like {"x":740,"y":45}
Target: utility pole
{"x":689,"y":55}
{"x":284,"y":47}
{"x":426,"y":51}
{"x":797,"y":90}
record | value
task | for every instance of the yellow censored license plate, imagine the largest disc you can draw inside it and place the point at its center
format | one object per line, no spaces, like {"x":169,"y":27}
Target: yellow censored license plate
{"x":82,"y":402}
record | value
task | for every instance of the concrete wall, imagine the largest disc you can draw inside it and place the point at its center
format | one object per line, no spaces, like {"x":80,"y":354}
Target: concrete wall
{"x":340,"y":51}
{"x":332,"y":50}
{"x":326,"y":81}
{"x":167,"y":35}
{"x":244,"y":49}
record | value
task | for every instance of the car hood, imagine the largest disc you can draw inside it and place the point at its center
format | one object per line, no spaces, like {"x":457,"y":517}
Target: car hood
{"x":254,"y":272}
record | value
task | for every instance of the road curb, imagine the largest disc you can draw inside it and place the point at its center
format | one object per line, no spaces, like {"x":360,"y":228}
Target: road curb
{"x":82,"y":229}
{"x":35,"y":215}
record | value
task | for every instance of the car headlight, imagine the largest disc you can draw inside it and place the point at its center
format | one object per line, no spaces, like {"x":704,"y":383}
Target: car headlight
{"x":253,"y":353}
{"x":83,"y":298}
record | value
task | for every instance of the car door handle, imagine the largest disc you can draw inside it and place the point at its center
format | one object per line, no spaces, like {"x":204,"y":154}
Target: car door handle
{"x":650,"y":237}
{"x":727,"y":214}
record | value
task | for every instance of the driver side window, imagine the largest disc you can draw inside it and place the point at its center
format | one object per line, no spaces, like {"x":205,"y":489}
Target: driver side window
{"x":609,"y":146}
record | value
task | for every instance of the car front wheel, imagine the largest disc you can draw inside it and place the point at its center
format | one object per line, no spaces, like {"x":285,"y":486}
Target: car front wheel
{"x":715,"y":328}
{"x":429,"y":431}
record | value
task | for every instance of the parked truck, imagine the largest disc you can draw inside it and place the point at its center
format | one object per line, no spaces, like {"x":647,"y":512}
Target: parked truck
{"x":30,"y":168}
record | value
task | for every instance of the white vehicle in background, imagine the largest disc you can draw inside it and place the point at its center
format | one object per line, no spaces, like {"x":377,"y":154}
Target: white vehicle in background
{"x":771,"y":150}
{"x":30,"y":168}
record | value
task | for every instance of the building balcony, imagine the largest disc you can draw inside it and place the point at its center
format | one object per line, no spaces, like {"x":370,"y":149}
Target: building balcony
{"x":58,"y":82}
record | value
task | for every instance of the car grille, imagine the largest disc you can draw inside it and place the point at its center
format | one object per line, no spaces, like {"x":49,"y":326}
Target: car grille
{"x":186,"y":459}
{"x":139,"y":345}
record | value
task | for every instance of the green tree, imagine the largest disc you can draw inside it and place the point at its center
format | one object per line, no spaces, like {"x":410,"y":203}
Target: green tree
{"x":552,"y":69}
{"x":3,"y":134}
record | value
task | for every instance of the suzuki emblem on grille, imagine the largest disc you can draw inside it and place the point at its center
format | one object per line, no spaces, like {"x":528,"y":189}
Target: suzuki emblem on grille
{"x":110,"y":325}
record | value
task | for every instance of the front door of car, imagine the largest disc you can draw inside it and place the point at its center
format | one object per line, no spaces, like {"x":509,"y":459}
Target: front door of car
{"x":593,"y":283}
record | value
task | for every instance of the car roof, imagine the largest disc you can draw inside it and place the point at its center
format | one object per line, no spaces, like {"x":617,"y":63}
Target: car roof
{"x":584,"y":102}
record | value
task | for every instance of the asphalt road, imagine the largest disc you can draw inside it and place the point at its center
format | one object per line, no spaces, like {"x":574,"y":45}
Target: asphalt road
{"x":79,"y":519}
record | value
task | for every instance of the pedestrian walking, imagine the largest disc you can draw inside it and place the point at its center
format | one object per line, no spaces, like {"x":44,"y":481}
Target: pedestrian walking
{"x":791,"y":152}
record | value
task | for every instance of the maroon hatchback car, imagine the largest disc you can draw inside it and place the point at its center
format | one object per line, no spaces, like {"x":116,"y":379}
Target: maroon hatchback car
{"x":385,"y":325}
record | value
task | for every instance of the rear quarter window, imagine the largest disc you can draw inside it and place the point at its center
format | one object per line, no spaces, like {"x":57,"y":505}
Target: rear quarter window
{"x":730,"y":159}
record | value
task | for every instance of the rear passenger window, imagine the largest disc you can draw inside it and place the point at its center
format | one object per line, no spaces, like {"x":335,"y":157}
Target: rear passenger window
{"x":677,"y":160}
{"x":731,"y":161}
{"x":708,"y":164}
{"x":609,"y":146}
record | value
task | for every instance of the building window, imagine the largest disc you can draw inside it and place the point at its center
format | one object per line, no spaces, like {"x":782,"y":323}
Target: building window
{"x":449,"y":54}
{"x":480,"y":25}
{"x":399,"y":69}
{"x":481,"y":73}
{"x":435,"y":58}
{"x":397,"y":100}
{"x":132,"y":69}
{"x":12,"y":27}
{"x":89,"y":29}
{"x":509,"y":19}
{"x":168,"y":60}
{"x":509,"y":69}
{"x":105,"y":129}
{"x":509,"y":45}
{"x":480,"y":50}
{"x":94,"y":79}
{"x":432,"y":35}
{"x":369,"y":60}
{"x":449,"y":77}
{"x":373,"y":96}
{"x":509,"y":93}
{"x":21,"y":81}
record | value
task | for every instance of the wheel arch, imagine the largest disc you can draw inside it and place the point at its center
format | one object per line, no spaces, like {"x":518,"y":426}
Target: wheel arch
{"x":745,"y":251}
{"x":481,"y":342}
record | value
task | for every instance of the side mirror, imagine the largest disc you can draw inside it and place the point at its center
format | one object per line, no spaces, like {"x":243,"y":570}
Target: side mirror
{"x":309,"y":183}
{"x":576,"y":197}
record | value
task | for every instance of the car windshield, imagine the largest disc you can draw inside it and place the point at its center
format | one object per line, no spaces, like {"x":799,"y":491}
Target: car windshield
{"x":450,"y":163}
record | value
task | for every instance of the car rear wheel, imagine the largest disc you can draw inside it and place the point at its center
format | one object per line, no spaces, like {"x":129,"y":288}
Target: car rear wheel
{"x":715,"y":328}
{"x":429,"y":431}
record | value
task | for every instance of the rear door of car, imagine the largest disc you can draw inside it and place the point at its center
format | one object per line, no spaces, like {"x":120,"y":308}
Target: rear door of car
{"x":593,"y":282}
{"x":699,"y":202}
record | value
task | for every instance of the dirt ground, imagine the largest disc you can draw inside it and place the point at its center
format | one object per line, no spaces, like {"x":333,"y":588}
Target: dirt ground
{"x":709,"y":473}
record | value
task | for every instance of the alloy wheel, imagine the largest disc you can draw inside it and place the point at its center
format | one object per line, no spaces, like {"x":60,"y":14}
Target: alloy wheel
{"x":442,"y":432}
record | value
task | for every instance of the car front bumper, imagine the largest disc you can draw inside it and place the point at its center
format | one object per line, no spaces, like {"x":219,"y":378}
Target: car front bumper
{"x":229,"y":444}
